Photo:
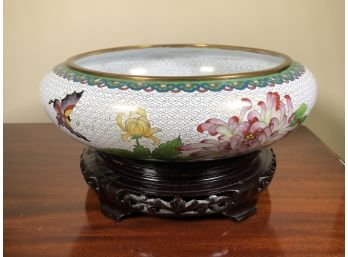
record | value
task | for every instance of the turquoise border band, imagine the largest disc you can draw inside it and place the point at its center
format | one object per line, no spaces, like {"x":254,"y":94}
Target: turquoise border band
{"x":293,"y":72}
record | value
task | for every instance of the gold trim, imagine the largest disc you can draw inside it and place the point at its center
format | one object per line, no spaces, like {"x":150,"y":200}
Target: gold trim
{"x":286,"y":63}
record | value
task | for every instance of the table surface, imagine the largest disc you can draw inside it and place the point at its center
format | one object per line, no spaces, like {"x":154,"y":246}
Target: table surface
{"x":50,"y":211}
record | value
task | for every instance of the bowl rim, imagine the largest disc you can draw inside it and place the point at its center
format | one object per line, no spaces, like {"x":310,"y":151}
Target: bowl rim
{"x":70,"y":62}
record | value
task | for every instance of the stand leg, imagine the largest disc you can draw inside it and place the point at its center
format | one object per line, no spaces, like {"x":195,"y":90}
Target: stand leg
{"x":242,"y":212}
{"x":117,"y":213}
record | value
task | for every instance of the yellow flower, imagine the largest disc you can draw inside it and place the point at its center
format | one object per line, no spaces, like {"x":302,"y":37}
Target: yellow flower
{"x":136,"y":126}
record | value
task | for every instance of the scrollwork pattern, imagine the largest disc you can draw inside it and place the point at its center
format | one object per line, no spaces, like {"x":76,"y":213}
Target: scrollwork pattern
{"x":295,"y":71}
{"x":177,"y":206}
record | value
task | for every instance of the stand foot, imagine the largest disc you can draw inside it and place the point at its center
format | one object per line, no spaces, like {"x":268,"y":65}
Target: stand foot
{"x":117,"y":214}
{"x":242,"y":212}
{"x":229,"y":187}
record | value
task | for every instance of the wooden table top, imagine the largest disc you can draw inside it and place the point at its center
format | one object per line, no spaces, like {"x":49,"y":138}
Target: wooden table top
{"x":50,"y":211}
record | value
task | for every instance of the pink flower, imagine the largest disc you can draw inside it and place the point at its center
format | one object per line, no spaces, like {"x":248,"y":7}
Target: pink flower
{"x":275,"y":117}
{"x":265,"y":123}
{"x":207,"y":148}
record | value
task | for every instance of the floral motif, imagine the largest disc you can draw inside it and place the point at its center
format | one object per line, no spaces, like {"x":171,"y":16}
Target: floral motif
{"x":137,"y":126}
{"x":256,"y":126}
{"x":64,"y":109}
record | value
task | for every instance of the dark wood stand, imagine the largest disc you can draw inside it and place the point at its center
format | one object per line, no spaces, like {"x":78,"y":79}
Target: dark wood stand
{"x":178,"y":189}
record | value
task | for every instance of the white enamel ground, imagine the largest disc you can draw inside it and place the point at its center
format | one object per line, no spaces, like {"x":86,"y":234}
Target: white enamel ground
{"x":186,"y":61}
{"x":175,"y":114}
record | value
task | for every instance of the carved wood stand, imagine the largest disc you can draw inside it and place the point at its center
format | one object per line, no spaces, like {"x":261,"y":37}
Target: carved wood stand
{"x":126,"y":186}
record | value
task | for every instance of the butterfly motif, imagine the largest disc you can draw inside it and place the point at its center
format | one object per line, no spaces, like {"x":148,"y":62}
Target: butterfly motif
{"x":63,"y":110}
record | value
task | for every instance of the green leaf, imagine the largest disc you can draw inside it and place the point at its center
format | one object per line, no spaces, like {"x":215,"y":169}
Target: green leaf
{"x":299,"y":114}
{"x":168,"y":149}
{"x":303,"y":119}
{"x":141,"y":151}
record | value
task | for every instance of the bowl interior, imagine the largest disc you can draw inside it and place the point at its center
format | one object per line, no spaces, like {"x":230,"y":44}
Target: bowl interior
{"x":179,"y":61}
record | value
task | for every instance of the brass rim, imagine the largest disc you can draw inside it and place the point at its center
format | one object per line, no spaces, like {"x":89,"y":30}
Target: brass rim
{"x":285,"y":64}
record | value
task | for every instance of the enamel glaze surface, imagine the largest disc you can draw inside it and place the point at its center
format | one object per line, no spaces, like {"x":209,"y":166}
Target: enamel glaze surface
{"x":178,"y":120}
{"x":188,"y":61}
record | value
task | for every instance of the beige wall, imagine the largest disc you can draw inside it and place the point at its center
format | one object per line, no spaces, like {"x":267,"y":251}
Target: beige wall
{"x":41,"y":33}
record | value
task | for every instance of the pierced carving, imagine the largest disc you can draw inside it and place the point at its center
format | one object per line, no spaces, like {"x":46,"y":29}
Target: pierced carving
{"x":177,"y":206}
{"x":122,"y":194}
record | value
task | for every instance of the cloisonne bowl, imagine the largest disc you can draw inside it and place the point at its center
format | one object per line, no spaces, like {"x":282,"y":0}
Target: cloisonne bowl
{"x":178,"y":102}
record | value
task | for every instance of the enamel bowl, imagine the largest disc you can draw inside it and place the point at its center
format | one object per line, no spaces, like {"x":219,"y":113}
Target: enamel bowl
{"x":178,"y":102}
